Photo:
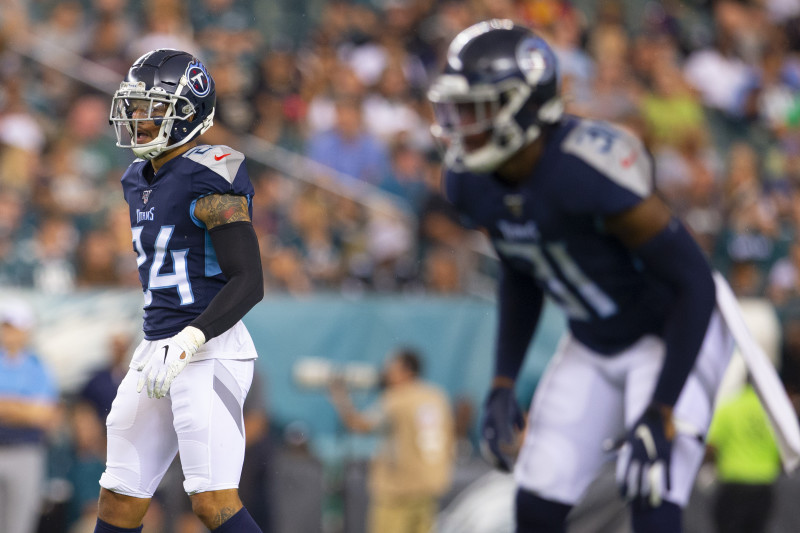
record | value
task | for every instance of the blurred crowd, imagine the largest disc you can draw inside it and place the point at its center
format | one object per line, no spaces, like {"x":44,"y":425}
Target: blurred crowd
{"x":713,"y":86}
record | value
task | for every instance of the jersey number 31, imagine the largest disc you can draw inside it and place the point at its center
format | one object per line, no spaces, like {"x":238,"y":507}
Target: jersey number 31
{"x":578,"y":296}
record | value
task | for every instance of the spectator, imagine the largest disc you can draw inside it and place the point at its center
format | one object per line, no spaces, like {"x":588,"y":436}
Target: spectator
{"x":255,"y":486}
{"x":671,"y":111}
{"x":442,"y":272}
{"x":407,"y":177}
{"x":389,"y":111}
{"x":414,"y":465}
{"x":21,"y":139}
{"x":777,"y":88}
{"x":576,"y":67}
{"x":96,"y":265}
{"x":752,"y":232}
{"x":85,"y":463}
{"x":721,"y":75}
{"x":784,"y":277}
{"x":64,"y":29}
{"x":28,"y":397}
{"x":48,"y":255}
{"x":326,"y":82}
{"x":748,"y":463}
{"x":348,"y":148}
{"x":166,"y":26}
{"x":101,"y":387}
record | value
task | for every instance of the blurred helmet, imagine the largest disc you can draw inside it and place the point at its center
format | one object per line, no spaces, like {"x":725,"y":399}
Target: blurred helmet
{"x":497,"y":90}
{"x":173,"y":90}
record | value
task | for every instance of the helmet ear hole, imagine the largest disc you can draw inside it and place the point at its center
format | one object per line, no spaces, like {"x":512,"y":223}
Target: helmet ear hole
{"x":504,"y":138}
{"x":504,"y":98}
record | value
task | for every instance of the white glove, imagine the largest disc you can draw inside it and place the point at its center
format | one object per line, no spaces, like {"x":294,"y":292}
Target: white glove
{"x":168,"y":360}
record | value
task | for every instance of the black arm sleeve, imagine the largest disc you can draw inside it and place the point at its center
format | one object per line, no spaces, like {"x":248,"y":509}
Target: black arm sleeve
{"x":239,"y":259}
{"x":519,"y":304}
{"x":674,"y":257}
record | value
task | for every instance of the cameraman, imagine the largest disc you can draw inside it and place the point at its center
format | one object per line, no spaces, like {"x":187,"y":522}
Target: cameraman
{"x":413,"y":467}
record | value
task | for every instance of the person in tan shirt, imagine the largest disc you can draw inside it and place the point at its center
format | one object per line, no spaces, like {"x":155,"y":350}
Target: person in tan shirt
{"x":413,"y":467}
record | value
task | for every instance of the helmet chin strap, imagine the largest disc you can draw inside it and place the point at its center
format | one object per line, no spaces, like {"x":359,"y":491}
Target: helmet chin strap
{"x":151,"y":152}
{"x":148,"y":152}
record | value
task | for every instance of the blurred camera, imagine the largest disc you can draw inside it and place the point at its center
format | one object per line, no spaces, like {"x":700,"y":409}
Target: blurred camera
{"x":319,"y":373}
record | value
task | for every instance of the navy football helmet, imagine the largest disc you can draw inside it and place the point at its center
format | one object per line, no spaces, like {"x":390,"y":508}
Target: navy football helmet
{"x":172,"y":89}
{"x":497,"y":90}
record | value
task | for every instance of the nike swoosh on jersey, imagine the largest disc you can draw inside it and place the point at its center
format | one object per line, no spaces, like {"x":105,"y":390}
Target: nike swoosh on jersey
{"x":219,"y":157}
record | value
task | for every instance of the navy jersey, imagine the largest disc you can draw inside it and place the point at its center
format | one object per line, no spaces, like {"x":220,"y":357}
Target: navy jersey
{"x":177,"y":264}
{"x":551,"y":226}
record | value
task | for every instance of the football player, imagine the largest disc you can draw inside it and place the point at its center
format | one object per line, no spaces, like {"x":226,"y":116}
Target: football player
{"x":200,"y":268}
{"x":570,"y":208}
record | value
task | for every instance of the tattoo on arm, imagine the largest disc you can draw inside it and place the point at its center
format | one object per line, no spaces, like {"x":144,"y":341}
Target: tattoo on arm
{"x":222,"y":516}
{"x":217,"y":209}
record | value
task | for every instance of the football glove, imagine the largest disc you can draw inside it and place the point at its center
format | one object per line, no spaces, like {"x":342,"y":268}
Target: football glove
{"x":644,"y":460}
{"x":168,"y":360}
{"x":500,"y":428}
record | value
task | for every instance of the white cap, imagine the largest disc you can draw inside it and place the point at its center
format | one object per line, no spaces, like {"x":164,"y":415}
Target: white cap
{"x":17,"y":313}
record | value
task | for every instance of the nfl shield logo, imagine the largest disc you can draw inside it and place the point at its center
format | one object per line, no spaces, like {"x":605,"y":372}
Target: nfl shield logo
{"x":146,"y":195}
{"x":514,"y":203}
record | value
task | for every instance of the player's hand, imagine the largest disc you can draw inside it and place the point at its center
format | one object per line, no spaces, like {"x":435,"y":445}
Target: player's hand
{"x":168,"y":360}
{"x":644,"y":460}
{"x":500,"y":428}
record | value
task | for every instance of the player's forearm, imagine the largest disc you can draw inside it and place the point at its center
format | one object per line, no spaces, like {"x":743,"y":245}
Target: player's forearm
{"x":519,"y":307}
{"x":19,"y":413}
{"x":239,"y":259}
{"x":351,"y":418}
{"x":356,"y":422}
{"x":675,"y":258}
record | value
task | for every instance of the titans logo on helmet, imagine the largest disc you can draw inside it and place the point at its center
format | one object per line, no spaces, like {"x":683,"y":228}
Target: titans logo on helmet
{"x":533,"y":63}
{"x":198,"y":78}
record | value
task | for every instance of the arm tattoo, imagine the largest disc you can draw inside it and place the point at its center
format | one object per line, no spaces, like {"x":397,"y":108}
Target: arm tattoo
{"x":222,"y":516}
{"x":217,"y":209}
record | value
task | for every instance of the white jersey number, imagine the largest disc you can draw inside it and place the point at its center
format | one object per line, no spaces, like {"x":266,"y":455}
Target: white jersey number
{"x":578,"y":291}
{"x":178,"y":278}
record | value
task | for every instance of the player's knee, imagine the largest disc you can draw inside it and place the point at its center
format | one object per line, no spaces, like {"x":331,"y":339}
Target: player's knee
{"x":204,"y":506}
{"x":213,"y":507}
{"x":537,"y":515}
{"x":121,"y":510}
{"x":666,"y":518}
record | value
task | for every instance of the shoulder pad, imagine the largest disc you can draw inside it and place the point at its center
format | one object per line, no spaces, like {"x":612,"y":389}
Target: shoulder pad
{"x":614,"y":152}
{"x":222,"y":160}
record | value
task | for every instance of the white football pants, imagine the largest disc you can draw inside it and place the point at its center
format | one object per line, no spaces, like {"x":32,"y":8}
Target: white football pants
{"x":201,"y":418}
{"x":585,"y":400}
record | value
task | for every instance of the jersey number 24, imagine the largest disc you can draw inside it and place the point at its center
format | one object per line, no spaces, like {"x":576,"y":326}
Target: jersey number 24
{"x":178,"y":278}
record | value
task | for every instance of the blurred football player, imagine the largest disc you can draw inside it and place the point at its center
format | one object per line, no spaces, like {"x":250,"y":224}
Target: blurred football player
{"x":200,"y":268}
{"x":569,"y":206}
